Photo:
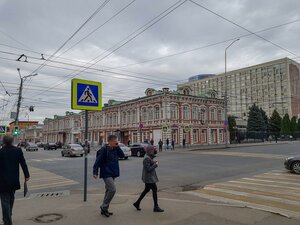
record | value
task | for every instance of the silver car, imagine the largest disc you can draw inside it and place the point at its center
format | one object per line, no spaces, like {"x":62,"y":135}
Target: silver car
{"x":31,"y":147}
{"x":126,"y":150}
{"x":72,"y":150}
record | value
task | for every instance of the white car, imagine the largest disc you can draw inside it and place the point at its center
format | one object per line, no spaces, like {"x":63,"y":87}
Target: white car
{"x":126,"y":150}
{"x":31,"y":147}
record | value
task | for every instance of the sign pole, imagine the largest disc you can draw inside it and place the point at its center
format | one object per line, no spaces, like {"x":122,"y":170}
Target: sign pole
{"x":85,"y":156}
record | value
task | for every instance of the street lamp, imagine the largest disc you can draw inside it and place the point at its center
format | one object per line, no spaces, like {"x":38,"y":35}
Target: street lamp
{"x":226,"y":104}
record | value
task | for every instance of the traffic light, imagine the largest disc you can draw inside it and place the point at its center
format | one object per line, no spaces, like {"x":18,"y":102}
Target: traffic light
{"x":16,"y":131}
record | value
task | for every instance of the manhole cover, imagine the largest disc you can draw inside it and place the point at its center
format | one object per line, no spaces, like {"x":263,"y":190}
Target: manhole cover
{"x":48,"y":218}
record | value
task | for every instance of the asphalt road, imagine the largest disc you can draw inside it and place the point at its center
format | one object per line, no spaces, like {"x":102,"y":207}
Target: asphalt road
{"x":177,"y":171}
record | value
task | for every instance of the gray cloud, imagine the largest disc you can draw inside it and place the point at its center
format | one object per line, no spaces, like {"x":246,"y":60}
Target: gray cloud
{"x":44,"y":25}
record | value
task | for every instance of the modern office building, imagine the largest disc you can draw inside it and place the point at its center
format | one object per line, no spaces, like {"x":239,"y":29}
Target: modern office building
{"x":271,"y":85}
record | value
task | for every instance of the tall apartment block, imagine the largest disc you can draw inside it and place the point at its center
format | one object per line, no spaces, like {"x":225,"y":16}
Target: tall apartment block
{"x":271,"y":85}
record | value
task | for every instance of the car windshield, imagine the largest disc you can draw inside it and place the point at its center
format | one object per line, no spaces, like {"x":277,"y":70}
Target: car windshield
{"x":52,"y":144}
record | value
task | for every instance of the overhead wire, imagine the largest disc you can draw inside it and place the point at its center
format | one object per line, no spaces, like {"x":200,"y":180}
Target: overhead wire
{"x":242,"y":27}
{"x":142,"y":29}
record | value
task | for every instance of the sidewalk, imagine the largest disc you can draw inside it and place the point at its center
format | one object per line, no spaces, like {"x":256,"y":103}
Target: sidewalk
{"x":178,"y":211}
{"x":222,"y":146}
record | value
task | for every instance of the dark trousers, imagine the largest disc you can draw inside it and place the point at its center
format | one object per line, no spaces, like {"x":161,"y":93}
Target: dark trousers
{"x":7,"y":204}
{"x":160,"y":148}
{"x":149,"y":187}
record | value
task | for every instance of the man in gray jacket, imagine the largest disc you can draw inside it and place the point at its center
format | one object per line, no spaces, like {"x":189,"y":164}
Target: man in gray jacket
{"x":150,"y":179}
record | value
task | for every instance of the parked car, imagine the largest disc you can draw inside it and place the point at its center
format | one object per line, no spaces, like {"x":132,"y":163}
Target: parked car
{"x":72,"y":150}
{"x":31,"y":147}
{"x":139,"y":149}
{"x":41,"y":144}
{"x":22,"y":144}
{"x":293,"y":164}
{"x":126,"y":150}
{"x":50,"y":146}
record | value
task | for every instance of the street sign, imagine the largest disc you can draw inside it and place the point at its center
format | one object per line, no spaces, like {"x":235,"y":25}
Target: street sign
{"x":86,"y":95}
{"x":2,"y":129}
{"x":225,"y":123}
{"x":165,"y":129}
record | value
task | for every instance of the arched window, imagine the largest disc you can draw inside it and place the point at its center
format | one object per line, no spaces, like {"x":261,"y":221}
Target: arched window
{"x":133,"y":116}
{"x":156,"y":113}
{"x":174,"y":109}
{"x":150,"y":113}
{"x":128,"y":117}
{"x":186,"y":112}
{"x":194,"y":113}
{"x":144,"y":114}
{"x":213,"y":114}
{"x":203,"y":116}
{"x":219,"y":114}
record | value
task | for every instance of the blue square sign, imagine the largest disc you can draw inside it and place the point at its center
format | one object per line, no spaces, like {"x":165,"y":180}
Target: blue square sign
{"x":86,"y":95}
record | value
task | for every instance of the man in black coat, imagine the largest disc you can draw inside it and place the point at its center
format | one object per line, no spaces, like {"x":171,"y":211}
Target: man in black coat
{"x":10,"y":159}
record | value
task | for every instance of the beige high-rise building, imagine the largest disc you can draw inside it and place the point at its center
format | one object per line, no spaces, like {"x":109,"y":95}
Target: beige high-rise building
{"x":271,"y":85}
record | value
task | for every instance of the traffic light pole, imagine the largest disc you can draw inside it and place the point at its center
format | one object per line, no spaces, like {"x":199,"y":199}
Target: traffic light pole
{"x":20,"y":99}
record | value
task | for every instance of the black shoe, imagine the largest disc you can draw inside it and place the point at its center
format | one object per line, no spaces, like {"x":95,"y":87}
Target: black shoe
{"x":105,"y":212}
{"x":157,"y":209}
{"x":137,"y":206}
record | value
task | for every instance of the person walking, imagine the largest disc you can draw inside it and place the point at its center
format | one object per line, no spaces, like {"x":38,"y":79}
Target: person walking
{"x":167,"y":142}
{"x":10,"y":159}
{"x":108,"y":163}
{"x":183,"y":142}
{"x":152,"y":142}
{"x":150,"y":179}
{"x":173,"y":144}
{"x":160,"y":145}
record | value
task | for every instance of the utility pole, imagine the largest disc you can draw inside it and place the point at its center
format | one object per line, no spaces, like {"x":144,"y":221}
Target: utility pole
{"x":20,"y":95}
{"x":226,"y":96}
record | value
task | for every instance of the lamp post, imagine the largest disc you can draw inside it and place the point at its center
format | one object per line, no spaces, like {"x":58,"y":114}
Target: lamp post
{"x":225,"y":97}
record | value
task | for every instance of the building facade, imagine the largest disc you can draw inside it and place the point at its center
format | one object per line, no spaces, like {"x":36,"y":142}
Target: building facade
{"x":160,"y":115}
{"x":271,"y":85}
{"x":65,"y":129}
{"x":32,"y":134}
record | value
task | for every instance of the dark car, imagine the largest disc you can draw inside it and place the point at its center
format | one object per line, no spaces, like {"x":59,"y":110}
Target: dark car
{"x":50,"y":146}
{"x":139,"y":149}
{"x":293,"y":164}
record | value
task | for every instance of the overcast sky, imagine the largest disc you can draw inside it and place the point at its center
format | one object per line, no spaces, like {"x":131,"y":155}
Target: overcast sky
{"x":33,"y":27}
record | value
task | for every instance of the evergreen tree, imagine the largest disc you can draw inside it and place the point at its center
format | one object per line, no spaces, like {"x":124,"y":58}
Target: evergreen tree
{"x":256,"y":121}
{"x":275,"y":123}
{"x":231,"y":127}
{"x":265,"y":123}
{"x":293,"y":126}
{"x":286,"y":125}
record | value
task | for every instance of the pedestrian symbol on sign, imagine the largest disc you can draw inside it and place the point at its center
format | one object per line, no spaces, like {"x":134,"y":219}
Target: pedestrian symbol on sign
{"x":87,"y":96}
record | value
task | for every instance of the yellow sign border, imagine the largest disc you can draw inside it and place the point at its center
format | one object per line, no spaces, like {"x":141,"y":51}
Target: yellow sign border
{"x":74,"y":93}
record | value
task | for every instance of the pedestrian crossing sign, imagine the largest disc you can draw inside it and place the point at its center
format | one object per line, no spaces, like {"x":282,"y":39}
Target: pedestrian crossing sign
{"x":86,"y":95}
{"x":2,"y":129}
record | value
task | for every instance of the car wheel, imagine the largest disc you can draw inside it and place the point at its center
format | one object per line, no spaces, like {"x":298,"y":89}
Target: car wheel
{"x":138,"y":154}
{"x":126,"y":157}
{"x":296,"y":167}
{"x":62,"y":154}
{"x":81,"y":155}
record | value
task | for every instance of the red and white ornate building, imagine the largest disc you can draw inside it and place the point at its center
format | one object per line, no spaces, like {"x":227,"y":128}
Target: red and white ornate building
{"x":160,"y":115}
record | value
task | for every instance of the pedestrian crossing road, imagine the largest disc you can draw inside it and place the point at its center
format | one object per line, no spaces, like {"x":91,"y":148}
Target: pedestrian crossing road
{"x":43,"y":179}
{"x":277,"y":191}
